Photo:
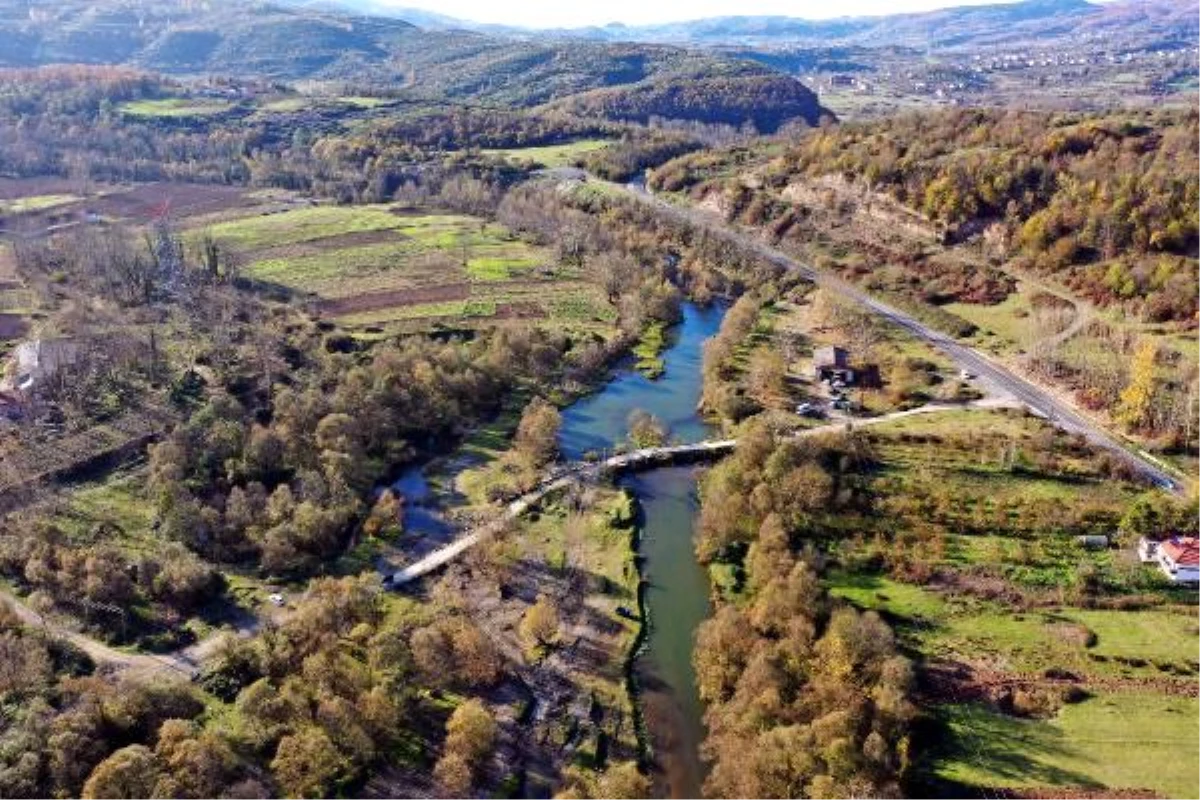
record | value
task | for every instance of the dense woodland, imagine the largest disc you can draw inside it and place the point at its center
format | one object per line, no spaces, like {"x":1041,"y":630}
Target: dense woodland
{"x":805,"y":697}
{"x":1107,"y":204}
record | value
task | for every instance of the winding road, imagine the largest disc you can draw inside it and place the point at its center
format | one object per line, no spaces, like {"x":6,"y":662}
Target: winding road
{"x":995,"y":375}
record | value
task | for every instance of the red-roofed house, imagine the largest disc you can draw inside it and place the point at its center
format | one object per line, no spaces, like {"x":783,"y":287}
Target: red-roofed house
{"x":1179,"y":558}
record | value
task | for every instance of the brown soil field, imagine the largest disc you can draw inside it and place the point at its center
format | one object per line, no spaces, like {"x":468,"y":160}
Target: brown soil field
{"x":341,"y":241}
{"x":395,"y":299}
{"x":140,"y":203}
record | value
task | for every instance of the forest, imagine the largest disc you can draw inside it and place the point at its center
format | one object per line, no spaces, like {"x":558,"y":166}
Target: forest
{"x":1104,"y":203}
{"x":301,"y":494}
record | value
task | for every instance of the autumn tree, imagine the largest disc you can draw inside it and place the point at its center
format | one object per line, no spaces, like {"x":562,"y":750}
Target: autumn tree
{"x":470,"y":734}
{"x":540,"y":624}
{"x":646,"y":430}
{"x":1136,"y":399}
{"x":129,"y":772}
{"x":767,"y":378}
{"x":537,"y":433}
{"x":307,"y":764}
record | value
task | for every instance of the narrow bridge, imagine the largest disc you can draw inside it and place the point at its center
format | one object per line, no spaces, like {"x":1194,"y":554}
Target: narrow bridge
{"x":644,"y":458}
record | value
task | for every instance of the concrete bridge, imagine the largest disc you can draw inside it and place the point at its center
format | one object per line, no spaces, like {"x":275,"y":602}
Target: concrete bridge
{"x":560,"y":478}
{"x":641,"y":459}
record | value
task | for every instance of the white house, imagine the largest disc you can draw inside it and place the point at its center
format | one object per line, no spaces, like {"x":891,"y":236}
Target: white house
{"x":1179,"y":558}
{"x":36,"y":361}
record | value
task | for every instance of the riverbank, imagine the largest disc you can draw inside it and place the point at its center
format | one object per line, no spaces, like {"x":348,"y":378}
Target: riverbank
{"x":591,"y":692}
{"x":674,"y":589}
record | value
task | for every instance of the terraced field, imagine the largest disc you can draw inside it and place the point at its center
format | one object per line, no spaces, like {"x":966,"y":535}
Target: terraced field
{"x":380,"y":265}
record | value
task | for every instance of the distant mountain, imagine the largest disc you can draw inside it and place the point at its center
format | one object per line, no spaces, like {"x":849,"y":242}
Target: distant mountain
{"x":317,"y":39}
{"x":1147,"y":18}
{"x":1029,"y":20}
{"x":926,"y":29}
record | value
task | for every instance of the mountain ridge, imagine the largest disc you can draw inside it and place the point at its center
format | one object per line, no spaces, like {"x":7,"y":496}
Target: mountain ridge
{"x":925,"y":28}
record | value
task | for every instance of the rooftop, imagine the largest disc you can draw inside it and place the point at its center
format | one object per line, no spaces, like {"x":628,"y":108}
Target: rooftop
{"x":1184,"y":551}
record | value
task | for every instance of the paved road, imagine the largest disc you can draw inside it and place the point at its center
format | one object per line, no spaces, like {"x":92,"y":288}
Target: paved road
{"x":997,"y":376}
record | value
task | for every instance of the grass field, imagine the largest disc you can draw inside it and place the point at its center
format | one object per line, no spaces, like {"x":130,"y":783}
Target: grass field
{"x":969,"y":629}
{"x":1001,"y":326}
{"x":376,"y":265}
{"x":36,"y":203}
{"x":175,"y":108}
{"x":113,"y":511}
{"x":305,"y":225}
{"x":1118,"y":741}
{"x":554,"y":155}
{"x":291,"y":105}
{"x":971,"y":455}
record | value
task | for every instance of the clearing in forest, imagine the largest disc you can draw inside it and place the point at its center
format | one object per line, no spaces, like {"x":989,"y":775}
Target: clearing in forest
{"x":551,"y":156}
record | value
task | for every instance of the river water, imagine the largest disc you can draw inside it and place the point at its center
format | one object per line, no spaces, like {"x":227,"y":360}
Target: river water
{"x":677,"y":595}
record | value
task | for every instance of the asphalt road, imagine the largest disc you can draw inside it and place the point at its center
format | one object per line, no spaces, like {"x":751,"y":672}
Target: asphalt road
{"x":995,"y":375}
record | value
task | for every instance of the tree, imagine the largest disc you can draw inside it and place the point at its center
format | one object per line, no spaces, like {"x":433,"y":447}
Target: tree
{"x":307,"y":764}
{"x":723,"y":645}
{"x":24,"y":664}
{"x":537,"y":433}
{"x":470,"y":734}
{"x":540,"y":625}
{"x":1136,"y":399}
{"x":646,"y":430}
{"x":129,"y":772}
{"x":623,"y":782}
{"x":767,"y":376}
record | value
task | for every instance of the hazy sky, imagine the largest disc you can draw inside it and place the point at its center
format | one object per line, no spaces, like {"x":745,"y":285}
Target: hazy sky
{"x":574,"y":13}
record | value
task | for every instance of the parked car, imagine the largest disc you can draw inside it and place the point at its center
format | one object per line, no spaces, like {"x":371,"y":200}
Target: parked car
{"x":808,"y":410}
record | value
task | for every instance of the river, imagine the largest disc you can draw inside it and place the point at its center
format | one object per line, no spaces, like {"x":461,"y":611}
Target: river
{"x":677,"y":595}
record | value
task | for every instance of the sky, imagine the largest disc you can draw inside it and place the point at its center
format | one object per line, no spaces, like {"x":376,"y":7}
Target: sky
{"x":576,"y":13}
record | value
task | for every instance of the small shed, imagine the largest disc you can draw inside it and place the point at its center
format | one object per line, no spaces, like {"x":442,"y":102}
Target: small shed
{"x":832,"y":363}
{"x":1147,"y":550}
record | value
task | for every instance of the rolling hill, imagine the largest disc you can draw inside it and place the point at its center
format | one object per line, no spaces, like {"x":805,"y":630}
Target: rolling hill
{"x":1037,"y":21}
{"x":288,"y":43}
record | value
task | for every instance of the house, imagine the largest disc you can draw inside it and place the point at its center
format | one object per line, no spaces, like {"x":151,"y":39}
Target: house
{"x":832,"y":364}
{"x":36,"y":361}
{"x":1179,"y":558}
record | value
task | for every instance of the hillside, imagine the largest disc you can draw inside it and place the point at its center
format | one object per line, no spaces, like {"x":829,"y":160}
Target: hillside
{"x":1029,"y":20}
{"x":397,"y":58}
